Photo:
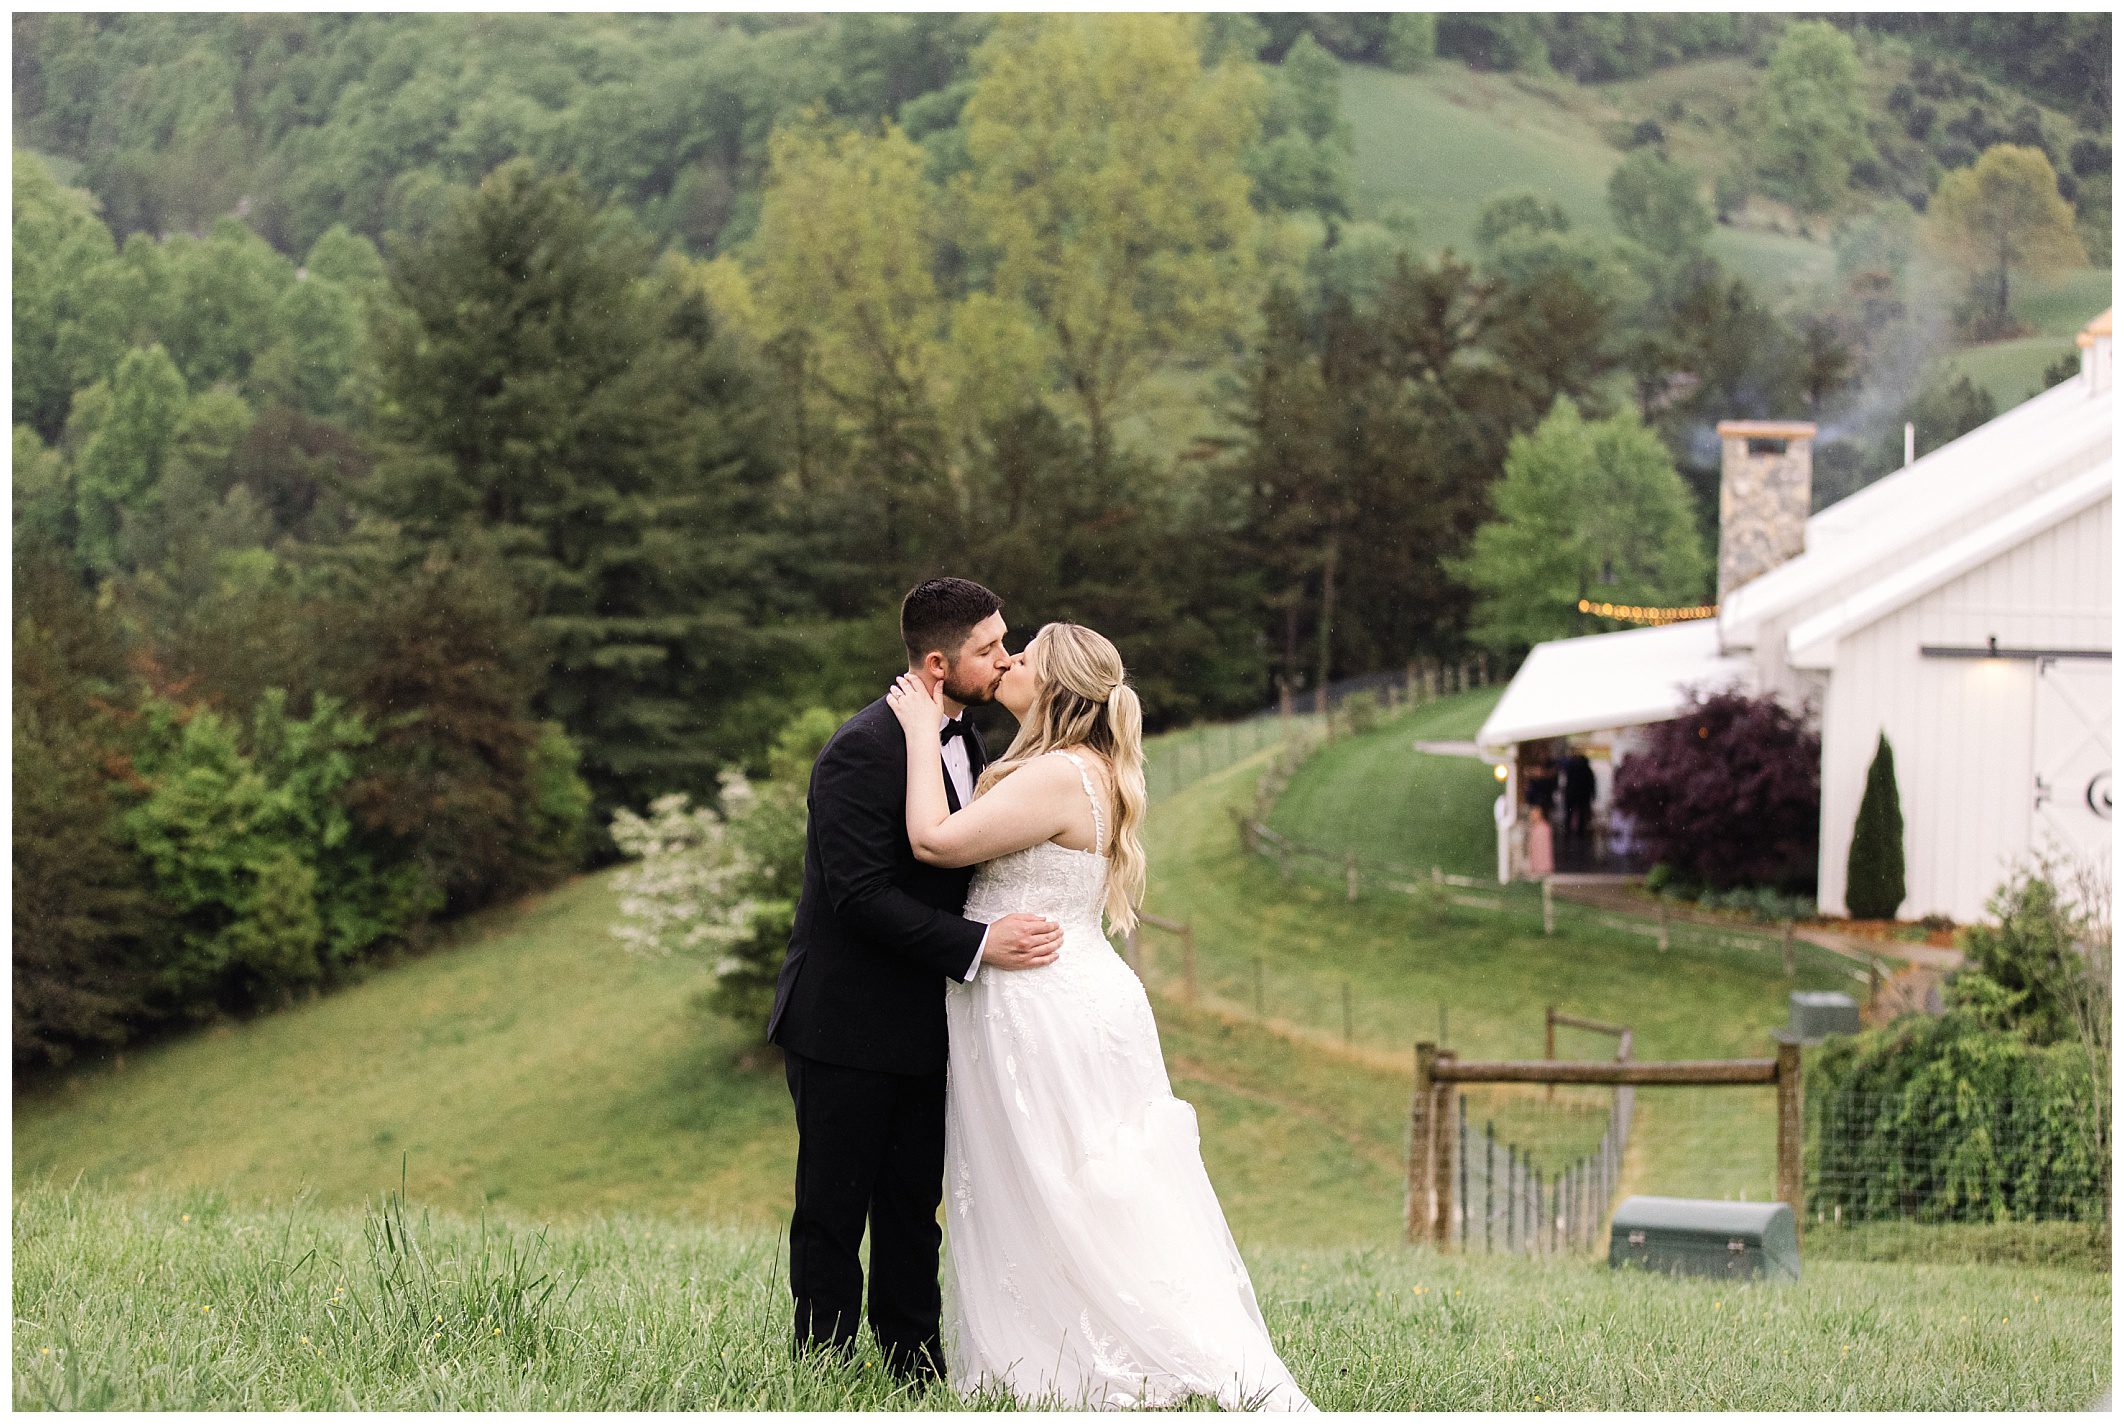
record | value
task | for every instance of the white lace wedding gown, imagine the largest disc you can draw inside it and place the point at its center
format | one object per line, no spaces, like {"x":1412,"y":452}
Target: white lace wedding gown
{"x":1087,"y":1264}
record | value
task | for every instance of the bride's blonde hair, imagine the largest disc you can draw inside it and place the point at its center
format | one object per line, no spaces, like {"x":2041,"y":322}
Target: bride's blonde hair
{"x":1081,"y":698}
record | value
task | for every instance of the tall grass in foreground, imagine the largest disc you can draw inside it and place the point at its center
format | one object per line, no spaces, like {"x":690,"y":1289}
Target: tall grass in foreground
{"x":182,"y":1301}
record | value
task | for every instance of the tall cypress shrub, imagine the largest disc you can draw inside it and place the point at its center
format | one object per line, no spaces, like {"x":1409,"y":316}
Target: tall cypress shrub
{"x":1873,"y":875}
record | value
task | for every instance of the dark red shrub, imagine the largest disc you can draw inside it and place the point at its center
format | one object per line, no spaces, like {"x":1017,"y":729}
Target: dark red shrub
{"x":1729,"y":793}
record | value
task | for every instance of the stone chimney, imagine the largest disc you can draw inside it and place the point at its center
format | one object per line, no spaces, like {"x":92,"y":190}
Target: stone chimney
{"x":1765,"y":492}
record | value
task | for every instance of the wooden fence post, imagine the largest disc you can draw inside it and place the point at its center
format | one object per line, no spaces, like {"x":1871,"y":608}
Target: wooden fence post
{"x":1548,"y":912}
{"x":1442,"y":1159}
{"x":1791,"y":1186}
{"x":1415,"y":1220}
{"x":1548,"y":1038}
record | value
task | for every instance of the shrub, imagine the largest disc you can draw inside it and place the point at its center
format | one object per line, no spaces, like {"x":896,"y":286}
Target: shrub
{"x":1950,"y":1119}
{"x":251,"y":850}
{"x":1362,"y":710}
{"x":723,"y":887}
{"x":1728,"y":793}
{"x":2026,"y":973}
{"x":1999,"y":1110}
{"x":1411,"y":41}
{"x":1873,"y":875}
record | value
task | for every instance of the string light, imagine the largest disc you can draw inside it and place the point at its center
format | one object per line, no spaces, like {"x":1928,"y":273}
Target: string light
{"x":1639,"y":613}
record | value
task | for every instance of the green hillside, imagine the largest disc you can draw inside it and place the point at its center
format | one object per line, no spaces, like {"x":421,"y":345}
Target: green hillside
{"x":1376,"y":796}
{"x":536,"y":1066}
{"x":1447,"y":140}
{"x":532,"y":1066}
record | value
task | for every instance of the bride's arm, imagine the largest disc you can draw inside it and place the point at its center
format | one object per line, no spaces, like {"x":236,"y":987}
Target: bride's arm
{"x":1022,"y":809}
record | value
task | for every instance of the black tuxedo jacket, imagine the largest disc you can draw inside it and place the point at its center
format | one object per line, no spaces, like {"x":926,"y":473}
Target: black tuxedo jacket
{"x":876,"y":930}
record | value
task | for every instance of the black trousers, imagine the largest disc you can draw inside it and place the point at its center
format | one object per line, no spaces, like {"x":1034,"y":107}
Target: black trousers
{"x":870,"y":1146}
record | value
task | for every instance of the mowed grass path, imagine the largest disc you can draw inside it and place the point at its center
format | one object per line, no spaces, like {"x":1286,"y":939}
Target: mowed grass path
{"x":182,"y":1301}
{"x":1376,"y":795}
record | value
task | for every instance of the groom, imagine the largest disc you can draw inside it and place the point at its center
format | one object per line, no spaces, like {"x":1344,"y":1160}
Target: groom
{"x":859,"y":1004}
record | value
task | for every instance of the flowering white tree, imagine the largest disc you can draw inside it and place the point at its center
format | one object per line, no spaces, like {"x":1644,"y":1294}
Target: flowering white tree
{"x":721,"y":886}
{"x":683,"y":894}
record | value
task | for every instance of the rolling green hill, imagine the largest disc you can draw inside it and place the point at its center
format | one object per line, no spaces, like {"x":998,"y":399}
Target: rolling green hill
{"x":536,"y":1066}
{"x":1447,"y":140}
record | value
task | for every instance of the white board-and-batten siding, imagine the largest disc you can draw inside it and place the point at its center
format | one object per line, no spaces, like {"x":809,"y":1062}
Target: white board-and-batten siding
{"x":1963,"y":729}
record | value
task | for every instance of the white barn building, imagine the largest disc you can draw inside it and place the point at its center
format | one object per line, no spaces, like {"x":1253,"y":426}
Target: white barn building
{"x":1960,"y":605}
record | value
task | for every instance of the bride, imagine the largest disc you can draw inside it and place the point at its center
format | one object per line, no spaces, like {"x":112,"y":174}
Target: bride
{"x":1088,"y":1264}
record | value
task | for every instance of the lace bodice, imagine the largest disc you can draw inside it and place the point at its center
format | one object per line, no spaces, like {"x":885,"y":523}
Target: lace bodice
{"x":1046,"y":879}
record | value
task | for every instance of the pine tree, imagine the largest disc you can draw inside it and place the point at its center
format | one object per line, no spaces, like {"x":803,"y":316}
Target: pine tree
{"x":1873,"y":876}
{"x":542,"y":384}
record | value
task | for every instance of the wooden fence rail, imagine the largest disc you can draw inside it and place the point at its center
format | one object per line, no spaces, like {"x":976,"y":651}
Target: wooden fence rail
{"x":1428,"y":1205}
{"x":1139,"y":960}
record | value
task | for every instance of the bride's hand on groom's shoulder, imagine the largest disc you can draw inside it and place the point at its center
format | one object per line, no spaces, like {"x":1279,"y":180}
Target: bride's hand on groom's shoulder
{"x":914,"y":704}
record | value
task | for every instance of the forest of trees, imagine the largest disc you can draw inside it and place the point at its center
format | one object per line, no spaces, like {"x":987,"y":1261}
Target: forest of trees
{"x":433,"y":434}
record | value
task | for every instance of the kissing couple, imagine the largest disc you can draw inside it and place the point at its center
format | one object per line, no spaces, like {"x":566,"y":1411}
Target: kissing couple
{"x":951,"y":1011}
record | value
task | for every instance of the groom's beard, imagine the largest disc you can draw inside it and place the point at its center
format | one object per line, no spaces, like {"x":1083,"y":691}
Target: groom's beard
{"x":977,"y":695}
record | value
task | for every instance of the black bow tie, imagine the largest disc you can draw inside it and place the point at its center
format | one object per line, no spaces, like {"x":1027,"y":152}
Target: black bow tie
{"x":960,"y":726}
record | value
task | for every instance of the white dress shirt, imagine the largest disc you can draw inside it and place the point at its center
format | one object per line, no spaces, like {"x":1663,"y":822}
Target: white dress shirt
{"x":958,"y":765}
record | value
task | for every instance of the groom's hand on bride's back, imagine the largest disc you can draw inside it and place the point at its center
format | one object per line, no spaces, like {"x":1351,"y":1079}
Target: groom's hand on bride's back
{"x":1022,"y":942}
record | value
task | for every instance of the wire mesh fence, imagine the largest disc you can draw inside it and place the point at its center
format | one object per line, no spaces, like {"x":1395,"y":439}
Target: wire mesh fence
{"x":1660,"y":923}
{"x":1543,"y":1201}
{"x":1961,"y":1156}
{"x":1174,"y":761}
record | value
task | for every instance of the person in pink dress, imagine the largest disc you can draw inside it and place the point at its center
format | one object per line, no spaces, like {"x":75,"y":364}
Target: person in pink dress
{"x":1541,"y":849}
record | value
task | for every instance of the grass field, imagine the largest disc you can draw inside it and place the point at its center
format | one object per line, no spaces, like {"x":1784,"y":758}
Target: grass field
{"x":185,"y":1301}
{"x":1446,"y":141}
{"x":184,"y":1221}
{"x":2056,"y":309}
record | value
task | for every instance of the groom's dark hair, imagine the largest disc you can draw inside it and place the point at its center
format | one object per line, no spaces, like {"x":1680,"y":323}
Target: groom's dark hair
{"x":938,"y":613}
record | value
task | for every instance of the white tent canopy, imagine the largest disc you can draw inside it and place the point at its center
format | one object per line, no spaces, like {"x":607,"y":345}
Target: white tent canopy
{"x":1606,"y":680}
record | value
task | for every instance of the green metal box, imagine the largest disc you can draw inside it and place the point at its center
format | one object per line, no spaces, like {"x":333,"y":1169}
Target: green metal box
{"x":1815,"y":1014}
{"x":1730,"y":1240}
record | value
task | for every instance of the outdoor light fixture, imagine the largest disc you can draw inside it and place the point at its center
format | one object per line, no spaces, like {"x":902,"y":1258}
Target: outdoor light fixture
{"x":1991,"y":649}
{"x":1498,"y":771}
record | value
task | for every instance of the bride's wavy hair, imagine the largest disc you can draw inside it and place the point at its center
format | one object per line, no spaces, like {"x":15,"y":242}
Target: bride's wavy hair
{"x":1081,"y":698}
